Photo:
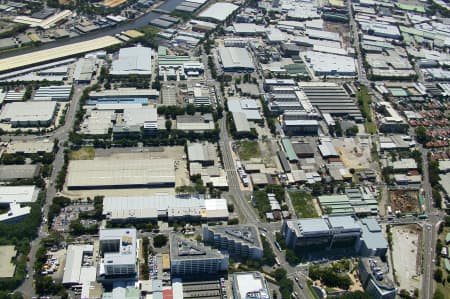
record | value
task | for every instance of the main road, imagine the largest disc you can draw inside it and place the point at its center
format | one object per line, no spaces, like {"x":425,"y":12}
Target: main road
{"x":62,"y":135}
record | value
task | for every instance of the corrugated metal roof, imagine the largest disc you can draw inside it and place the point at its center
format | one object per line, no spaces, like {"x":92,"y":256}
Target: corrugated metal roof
{"x":289,"y":149}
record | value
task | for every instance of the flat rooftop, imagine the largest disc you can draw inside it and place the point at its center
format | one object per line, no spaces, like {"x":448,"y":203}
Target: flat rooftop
{"x":182,"y":248}
{"x":123,"y":173}
{"x":18,"y":194}
{"x":7,"y":268}
{"x":250,"y":285}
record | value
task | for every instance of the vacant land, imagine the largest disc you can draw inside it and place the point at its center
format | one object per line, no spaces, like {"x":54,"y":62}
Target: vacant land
{"x":303,"y":204}
{"x":84,"y":153}
{"x":248,"y":149}
{"x":404,"y":254}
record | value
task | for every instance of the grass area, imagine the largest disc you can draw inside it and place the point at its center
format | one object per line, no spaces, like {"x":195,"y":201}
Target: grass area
{"x":248,"y":149}
{"x":364,"y":101}
{"x":84,"y":153}
{"x":303,"y":204}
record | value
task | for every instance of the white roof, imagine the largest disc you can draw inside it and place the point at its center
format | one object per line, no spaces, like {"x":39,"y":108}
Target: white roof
{"x":232,"y":57}
{"x":28,"y":111}
{"x":331,"y":64}
{"x":218,"y":11}
{"x":248,"y":106}
{"x":15,"y":211}
{"x":139,"y":116}
{"x":250,"y":283}
{"x":133,"y":60}
{"x":18,"y":194}
{"x":73,"y":267}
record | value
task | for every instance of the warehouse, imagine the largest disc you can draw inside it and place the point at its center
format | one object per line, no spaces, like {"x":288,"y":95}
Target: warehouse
{"x":201,"y":153}
{"x":79,"y":267}
{"x":324,"y":64}
{"x":248,"y":106}
{"x":301,"y":127}
{"x":84,"y":70}
{"x":195,"y":122}
{"x":218,"y":12}
{"x":29,"y":114}
{"x":164,"y":206}
{"x":18,"y":172}
{"x":145,"y":117}
{"x":235,"y":59}
{"x":133,"y":61}
{"x":44,"y":23}
{"x":121,"y":93}
{"x":37,"y":57}
{"x":53,"y":93}
{"x":31,"y":147}
{"x":122,"y":174}
{"x":240,"y":122}
{"x":331,"y":98}
{"x":18,"y":194}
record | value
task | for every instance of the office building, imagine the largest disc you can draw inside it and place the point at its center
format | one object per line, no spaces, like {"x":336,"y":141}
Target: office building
{"x":241,"y":241}
{"x":118,"y":252}
{"x":188,"y":257}
{"x":249,"y":285}
{"x":372,"y":273}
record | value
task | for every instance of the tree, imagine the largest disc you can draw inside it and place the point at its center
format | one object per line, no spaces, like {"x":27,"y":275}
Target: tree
{"x":438,"y":294}
{"x":168,"y":125}
{"x":352,"y":131}
{"x":438,"y":275}
{"x":160,"y":240}
{"x":291,"y":257}
{"x":421,"y":133}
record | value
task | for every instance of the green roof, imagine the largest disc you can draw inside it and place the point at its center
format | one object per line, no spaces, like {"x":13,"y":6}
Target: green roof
{"x":162,"y":51}
{"x":296,"y":68}
{"x":410,"y":7}
{"x":289,"y":149}
{"x":398,"y":92}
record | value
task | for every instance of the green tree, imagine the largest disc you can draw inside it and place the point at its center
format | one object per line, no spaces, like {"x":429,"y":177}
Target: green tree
{"x":438,"y":275}
{"x":438,"y":294}
{"x":168,"y":125}
{"x":421,"y":133}
{"x":160,"y":240}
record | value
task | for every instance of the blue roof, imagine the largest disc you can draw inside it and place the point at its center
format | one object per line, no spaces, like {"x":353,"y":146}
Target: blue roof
{"x":372,"y":237}
{"x":311,"y":225}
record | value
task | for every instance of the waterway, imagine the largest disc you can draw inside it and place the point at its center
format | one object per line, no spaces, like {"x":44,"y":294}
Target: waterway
{"x":142,"y":21}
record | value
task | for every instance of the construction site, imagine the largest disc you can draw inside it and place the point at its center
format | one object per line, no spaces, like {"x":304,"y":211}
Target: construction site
{"x":404,"y":201}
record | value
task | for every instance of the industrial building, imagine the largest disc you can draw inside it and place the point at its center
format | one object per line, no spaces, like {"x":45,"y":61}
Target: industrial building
{"x":240,"y":122}
{"x":200,"y":95}
{"x":241,"y":241}
{"x":43,"y":56}
{"x":234,"y":59}
{"x":301,"y":127}
{"x":249,"y":285}
{"x":45,"y":23}
{"x":98,"y":122}
{"x":247,"y":106}
{"x":29,"y":114}
{"x":118,"y":252}
{"x":133,"y":61}
{"x":30,"y":147}
{"x":392,"y":122}
{"x":15,"y":213}
{"x":331,"y":98}
{"x":120,"y":174}
{"x":195,"y":122}
{"x":330,"y":65}
{"x":218,"y":12}
{"x":145,"y":117}
{"x":164,"y":207}
{"x":84,"y":70}
{"x":372,"y":273}
{"x":18,"y":194}
{"x":188,"y":257}
{"x":18,"y":172}
{"x":79,"y":268}
{"x":201,"y":153}
{"x":124,"y":92}
{"x":53,"y":93}
{"x":308,"y":235}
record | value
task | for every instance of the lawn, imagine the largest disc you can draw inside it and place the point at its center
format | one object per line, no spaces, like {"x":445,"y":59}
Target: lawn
{"x":364,"y":101}
{"x":303,"y":204}
{"x":248,"y":149}
{"x":84,"y":153}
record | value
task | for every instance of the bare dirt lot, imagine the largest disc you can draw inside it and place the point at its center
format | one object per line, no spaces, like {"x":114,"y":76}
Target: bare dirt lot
{"x":354,"y":152}
{"x":404,"y":201}
{"x":405,"y":255}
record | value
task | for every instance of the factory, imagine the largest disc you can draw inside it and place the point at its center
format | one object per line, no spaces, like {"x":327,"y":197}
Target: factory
{"x":241,"y":241}
{"x":188,"y":257}
{"x":133,"y":61}
{"x":364,"y":237}
{"x":18,"y":194}
{"x":53,"y":93}
{"x":122,"y":174}
{"x":250,"y":285}
{"x":118,"y":253}
{"x":330,"y":65}
{"x":164,"y":207}
{"x":124,"y":92}
{"x":234,"y":59}
{"x":29,"y":114}
{"x":218,"y":12}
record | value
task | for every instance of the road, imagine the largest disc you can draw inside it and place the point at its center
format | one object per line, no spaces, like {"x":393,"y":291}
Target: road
{"x":62,"y":135}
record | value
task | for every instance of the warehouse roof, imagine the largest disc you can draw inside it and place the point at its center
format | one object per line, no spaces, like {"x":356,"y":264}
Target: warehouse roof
{"x":241,"y":122}
{"x":13,"y":172}
{"x":327,"y":149}
{"x":124,"y":93}
{"x":133,"y":60}
{"x":372,"y":234}
{"x":238,"y":58}
{"x":18,"y":194}
{"x":331,"y":64}
{"x":199,"y":152}
{"x":288,"y":148}
{"x":100,"y":173}
{"x":218,"y":11}
{"x":31,"y":147}
{"x":28,"y":111}
{"x":42,"y":56}
{"x":140,"y":116}
{"x":74,"y":260}
{"x":248,"y":106}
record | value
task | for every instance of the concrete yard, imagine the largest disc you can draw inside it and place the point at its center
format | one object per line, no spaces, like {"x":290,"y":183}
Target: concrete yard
{"x":405,"y":255}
